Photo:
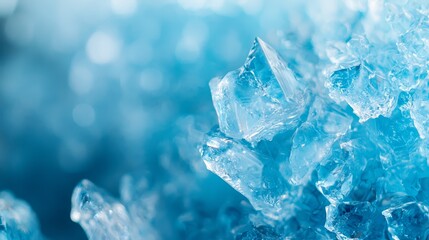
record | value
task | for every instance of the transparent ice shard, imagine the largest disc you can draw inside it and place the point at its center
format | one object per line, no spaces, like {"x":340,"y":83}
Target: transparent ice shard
{"x":100,"y":215}
{"x":248,"y":173}
{"x":410,"y":220}
{"x":313,"y":140}
{"x":17,"y":220}
{"x":339,"y":174}
{"x":259,"y":99}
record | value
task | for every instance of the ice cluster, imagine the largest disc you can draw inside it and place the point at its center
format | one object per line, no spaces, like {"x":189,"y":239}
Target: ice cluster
{"x":343,"y":153}
{"x":323,"y":135}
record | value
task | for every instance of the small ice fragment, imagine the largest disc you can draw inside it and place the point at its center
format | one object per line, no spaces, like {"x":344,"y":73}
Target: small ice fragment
{"x":100,"y":215}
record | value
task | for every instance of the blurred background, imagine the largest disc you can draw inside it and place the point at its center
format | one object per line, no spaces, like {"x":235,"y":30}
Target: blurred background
{"x":99,"y":88}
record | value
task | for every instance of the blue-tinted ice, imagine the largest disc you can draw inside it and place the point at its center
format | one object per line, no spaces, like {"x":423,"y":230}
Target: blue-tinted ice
{"x":409,"y":220}
{"x":100,"y":215}
{"x":17,"y":219}
{"x":259,"y":99}
{"x":348,"y":148}
{"x":323,"y":135}
{"x":250,"y":173}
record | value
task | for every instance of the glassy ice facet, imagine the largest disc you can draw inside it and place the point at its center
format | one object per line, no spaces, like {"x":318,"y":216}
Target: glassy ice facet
{"x":248,"y":173}
{"x":399,"y":147}
{"x":313,"y":140}
{"x":408,"y":221}
{"x":341,"y":171}
{"x":259,"y":99}
{"x":365,"y":89}
{"x":351,"y":220}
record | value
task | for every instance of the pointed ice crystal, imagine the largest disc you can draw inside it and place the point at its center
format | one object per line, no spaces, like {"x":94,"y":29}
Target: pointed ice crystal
{"x":248,"y":173}
{"x":259,"y":99}
{"x":17,"y":220}
{"x":100,"y":215}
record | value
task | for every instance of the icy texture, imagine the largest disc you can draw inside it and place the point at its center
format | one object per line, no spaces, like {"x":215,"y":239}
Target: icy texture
{"x":353,"y":220}
{"x":313,"y":140}
{"x":100,"y":215}
{"x":408,"y":221}
{"x":247,"y":171}
{"x":140,"y":204}
{"x":350,"y":160}
{"x":364,"y":88}
{"x":260,"y":99}
{"x":340,"y":173}
{"x":17,"y":220}
{"x":333,"y":116}
{"x":420,"y":111}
